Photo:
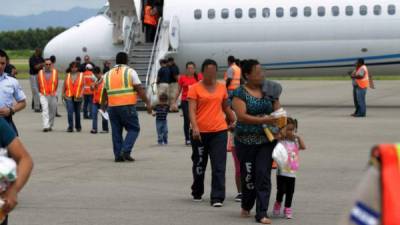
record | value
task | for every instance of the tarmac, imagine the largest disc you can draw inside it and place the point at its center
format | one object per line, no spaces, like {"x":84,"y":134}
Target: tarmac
{"x":75,"y":180}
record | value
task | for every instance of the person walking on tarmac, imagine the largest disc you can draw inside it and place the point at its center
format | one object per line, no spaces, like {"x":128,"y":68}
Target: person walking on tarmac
{"x":121,"y":87}
{"x":88,"y":80}
{"x":361,"y":82}
{"x":232,"y":76}
{"x":209,"y":112}
{"x":12,"y":98}
{"x":48,"y":84}
{"x":72,"y":94}
{"x":150,"y":21}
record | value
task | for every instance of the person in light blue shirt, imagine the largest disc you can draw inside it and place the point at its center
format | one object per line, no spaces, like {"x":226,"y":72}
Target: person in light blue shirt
{"x":10,"y":92}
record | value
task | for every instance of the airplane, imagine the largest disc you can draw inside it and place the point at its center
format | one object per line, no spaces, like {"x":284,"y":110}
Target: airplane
{"x":289,"y":38}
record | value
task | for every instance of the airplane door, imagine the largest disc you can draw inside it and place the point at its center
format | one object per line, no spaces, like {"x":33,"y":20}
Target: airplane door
{"x":174,"y":32}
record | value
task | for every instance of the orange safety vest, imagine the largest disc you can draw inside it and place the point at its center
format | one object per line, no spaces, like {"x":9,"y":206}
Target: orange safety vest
{"x":390,"y":178}
{"x":237,"y":74}
{"x":363,"y":82}
{"x":98,"y":91}
{"x":87,"y":82}
{"x":119,"y":87}
{"x":74,"y":89}
{"x":48,"y":87}
{"x":148,"y":18}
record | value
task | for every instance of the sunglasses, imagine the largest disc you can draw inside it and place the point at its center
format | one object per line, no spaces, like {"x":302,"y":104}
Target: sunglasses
{"x":48,"y":64}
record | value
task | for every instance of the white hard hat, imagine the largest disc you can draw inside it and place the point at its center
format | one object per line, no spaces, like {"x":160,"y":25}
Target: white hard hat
{"x":89,"y":67}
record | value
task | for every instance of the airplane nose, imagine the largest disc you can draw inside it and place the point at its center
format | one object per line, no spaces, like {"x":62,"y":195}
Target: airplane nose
{"x":92,"y":37}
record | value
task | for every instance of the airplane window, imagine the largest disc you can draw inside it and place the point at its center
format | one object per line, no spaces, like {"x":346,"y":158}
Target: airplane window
{"x":335,"y":10}
{"x":321,"y":11}
{"x":377,"y":10}
{"x":197,"y":14}
{"x":225,"y":13}
{"x":279,"y":12}
{"x":293,"y":12}
{"x":252,"y":13}
{"x":363,"y":10}
{"x":392,"y":9}
{"x":266,"y":12}
{"x":307,"y":11}
{"x":349,"y":10}
{"x":238,"y":13}
{"x":211,"y":14}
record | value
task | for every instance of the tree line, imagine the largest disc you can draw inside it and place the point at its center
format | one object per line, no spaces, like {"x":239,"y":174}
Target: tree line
{"x":28,"y":39}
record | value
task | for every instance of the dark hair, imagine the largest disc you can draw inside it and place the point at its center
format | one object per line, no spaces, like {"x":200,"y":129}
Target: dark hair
{"x":53,"y":59}
{"x":292,"y":121}
{"x":12,"y":66}
{"x":96,"y":70}
{"x":248,"y":66}
{"x":208,"y":62}
{"x":163,"y":97}
{"x":195,"y":74}
{"x":71,"y":65}
{"x":231,"y":59}
{"x":78,"y":58}
{"x":170,"y":59}
{"x":48,"y":59}
{"x":3,"y":54}
{"x":237,"y":62}
{"x":163,"y":61}
{"x":361,"y":61}
{"x":121,"y":58}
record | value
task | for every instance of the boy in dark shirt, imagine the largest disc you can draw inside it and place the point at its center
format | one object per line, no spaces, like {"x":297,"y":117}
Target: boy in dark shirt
{"x":161,"y":112}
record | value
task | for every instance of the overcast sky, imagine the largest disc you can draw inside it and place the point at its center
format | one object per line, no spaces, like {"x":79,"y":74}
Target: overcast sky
{"x":29,"y":7}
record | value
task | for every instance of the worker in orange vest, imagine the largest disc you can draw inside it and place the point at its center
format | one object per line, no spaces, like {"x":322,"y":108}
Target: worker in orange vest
{"x":361,"y":82}
{"x":72,"y":95}
{"x":121,"y":88}
{"x":150,"y":22}
{"x":377,"y":199}
{"x":88,"y":80}
{"x":48,"y":84}
{"x":97,"y":87}
{"x":232,"y":76}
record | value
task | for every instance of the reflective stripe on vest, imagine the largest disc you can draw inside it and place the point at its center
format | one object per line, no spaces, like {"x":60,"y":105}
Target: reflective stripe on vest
{"x":363,"y":82}
{"x":48,"y":87}
{"x":74,"y":89}
{"x":235,"y":82}
{"x":390,"y":175}
{"x":119,"y":87}
{"x":98,"y":91}
{"x":148,"y":18}
{"x":87,"y":82}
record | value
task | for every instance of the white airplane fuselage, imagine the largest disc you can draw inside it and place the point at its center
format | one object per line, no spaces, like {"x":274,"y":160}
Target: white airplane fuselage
{"x":319,"y":44}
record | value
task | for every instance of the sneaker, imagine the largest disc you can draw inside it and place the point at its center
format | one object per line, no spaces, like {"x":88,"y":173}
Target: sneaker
{"x":93,"y":131}
{"x":197,"y":199}
{"x":70,"y":130}
{"x":78,"y":129}
{"x":119,"y":159}
{"x":104,"y":132}
{"x":217,"y":204}
{"x":238,"y":197}
{"x":188,"y":143}
{"x":288,"y":213}
{"x":45,"y":130}
{"x":277,"y":209}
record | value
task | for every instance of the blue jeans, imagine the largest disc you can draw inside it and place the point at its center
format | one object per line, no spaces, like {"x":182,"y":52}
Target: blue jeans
{"x":361,"y":103}
{"x":74,"y":107}
{"x":123,"y":117}
{"x":87,"y":106}
{"x":95,"y":109}
{"x":162,"y":131}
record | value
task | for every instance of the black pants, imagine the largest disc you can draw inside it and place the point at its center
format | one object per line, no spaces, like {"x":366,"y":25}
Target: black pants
{"x":286,"y":187}
{"x":255,"y":171}
{"x":150,"y":32}
{"x":213,"y":145}
{"x":186,"y":121}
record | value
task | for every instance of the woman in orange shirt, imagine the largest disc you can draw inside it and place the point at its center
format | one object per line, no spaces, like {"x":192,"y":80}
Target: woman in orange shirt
{"x":209,"y":112}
